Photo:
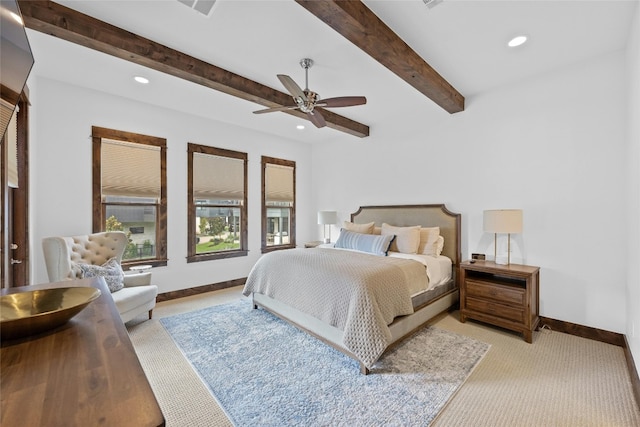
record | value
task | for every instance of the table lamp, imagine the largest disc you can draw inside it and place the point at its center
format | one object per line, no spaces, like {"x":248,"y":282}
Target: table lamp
{"x":327,"y":218}
{"x":507,"y":221}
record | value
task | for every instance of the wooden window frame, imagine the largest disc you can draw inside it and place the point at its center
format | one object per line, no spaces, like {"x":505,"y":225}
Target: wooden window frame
{"x":292,"y":228}
{"x":192,"y":256}
{"x":99,"y":208}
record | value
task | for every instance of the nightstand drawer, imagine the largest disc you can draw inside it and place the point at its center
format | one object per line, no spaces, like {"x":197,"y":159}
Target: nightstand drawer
{"x":494,"y":292}
{"x":496,"y":310}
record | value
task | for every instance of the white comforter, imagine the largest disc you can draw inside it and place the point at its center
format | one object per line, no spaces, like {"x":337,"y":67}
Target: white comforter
{"x":355,"y":292}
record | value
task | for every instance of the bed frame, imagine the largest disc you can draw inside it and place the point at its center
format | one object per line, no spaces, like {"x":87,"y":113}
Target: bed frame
{"x":399,"y":215}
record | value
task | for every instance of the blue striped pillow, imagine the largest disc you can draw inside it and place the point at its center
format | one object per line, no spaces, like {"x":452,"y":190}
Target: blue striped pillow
{"x":372,"y":243}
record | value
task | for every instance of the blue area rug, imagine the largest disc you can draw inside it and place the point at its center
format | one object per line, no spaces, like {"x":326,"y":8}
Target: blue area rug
{"x":265,"y":372}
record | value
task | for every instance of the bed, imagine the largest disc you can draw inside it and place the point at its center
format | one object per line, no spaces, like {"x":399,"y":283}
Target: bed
{"x":360,"y":303}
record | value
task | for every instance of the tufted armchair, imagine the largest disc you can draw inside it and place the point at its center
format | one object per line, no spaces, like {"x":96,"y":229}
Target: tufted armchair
{"x":63,"y":256}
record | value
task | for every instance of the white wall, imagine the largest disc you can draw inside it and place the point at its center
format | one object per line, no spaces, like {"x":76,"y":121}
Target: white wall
{"x":553,"y":146}
{"x":60,"y":150}
{"x":633,"y":193}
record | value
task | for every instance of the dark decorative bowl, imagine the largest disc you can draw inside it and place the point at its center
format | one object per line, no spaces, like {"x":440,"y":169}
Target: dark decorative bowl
{"x":28,"y":313}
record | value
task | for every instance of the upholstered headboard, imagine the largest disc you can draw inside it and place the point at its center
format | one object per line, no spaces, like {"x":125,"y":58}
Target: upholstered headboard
{"x":423,"y":215}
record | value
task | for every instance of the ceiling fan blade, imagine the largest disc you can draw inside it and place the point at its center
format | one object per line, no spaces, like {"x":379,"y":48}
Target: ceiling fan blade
{"x":316,"y":118}
{"x":292,"y":87}
{"x":342,"y":101}
{"x":271,"y":110}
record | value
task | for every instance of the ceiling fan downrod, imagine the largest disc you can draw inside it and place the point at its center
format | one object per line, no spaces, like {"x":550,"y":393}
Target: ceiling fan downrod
{"x":312,"y":97}
{"x":306,"y":63}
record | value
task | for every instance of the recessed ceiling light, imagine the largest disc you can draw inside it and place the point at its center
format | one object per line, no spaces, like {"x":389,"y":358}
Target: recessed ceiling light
{"x":141,"y":79}
{"x":300,"y":127}
{"x":517,"y":41}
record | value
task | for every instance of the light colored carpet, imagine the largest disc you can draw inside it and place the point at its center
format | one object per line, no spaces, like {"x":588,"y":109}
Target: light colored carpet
{"x":559,"y":380}
{"x":265,"y":372}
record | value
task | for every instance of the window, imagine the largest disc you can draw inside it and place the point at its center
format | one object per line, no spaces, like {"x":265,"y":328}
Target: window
{"x":130,"y":192}
{"x":278,"y":204}
{"x":217,"y":197}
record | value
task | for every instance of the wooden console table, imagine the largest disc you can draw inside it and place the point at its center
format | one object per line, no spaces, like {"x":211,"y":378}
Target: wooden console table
{"x":83,"y":373}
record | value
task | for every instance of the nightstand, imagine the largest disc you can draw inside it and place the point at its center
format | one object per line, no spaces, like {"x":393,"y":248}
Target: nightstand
{"x":502,"y":295}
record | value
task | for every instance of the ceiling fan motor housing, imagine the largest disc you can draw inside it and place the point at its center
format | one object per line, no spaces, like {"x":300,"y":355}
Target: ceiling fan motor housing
{"x":312,"y":98}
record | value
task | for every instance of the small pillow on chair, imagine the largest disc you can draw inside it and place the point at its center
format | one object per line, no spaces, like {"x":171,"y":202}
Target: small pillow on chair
{"x":110,"y":270}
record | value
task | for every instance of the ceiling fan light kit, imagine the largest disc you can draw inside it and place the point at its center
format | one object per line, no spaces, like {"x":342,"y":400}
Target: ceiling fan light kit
{"x":306,"y":100}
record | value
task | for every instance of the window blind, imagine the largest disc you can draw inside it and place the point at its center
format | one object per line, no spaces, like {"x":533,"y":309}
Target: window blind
{"x":278,"y":183}
{"x":217,"y":177}
{"x":6,"y":112}
{"x":130,"y":169}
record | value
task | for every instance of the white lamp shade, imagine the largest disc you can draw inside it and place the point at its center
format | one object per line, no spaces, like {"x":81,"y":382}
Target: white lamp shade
{"x":327,"y":217}
{"x":503,"y":221}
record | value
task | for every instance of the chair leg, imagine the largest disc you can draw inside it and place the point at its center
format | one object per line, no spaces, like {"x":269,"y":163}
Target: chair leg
{"x":150,"y":314}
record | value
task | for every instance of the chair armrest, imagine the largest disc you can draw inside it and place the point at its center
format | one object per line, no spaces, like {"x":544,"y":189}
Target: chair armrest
{"x":137,"y":279}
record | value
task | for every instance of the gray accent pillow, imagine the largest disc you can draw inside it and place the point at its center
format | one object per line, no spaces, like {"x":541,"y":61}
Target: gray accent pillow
{"x":110,"y":270}
{"x":371,"y":243}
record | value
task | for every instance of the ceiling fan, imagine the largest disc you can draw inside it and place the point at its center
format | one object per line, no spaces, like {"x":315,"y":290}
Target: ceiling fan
{"x":306,"y":100}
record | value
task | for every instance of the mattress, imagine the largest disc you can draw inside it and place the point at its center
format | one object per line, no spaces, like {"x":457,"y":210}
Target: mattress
{"x":439,"y":269}
{"x":422,"y":298}
{"x":439,"y":272}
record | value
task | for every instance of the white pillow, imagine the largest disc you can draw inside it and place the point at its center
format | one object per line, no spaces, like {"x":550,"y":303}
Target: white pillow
{"x":359,"y":228}
{"x":407,"y":238}
{"x":429,"y":241}
{"x":439,"y":245}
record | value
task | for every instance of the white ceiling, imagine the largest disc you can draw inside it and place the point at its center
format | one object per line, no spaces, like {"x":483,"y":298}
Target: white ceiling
{"x":465,"y":41}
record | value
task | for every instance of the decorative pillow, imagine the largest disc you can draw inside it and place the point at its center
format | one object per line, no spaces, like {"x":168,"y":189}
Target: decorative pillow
{"x":359,"y":228}
{"x":429,"y":241}
{"x":377,"y":245}
{"x":110,"y":270}
{"x":407,"y":238}
{"x":439,"y":245}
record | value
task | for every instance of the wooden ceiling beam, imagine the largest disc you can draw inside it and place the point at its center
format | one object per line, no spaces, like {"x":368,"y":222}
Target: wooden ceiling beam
{"x":362,"y":27}
{"x":52,"y":18}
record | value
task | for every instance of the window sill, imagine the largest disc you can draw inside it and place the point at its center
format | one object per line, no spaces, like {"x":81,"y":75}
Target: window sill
{"x":214,"y":256}
{"x":126,"y":265}
{"x":278,"y":248}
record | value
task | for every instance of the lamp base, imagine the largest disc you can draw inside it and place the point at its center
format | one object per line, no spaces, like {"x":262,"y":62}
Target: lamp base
{"x":327,"y":240}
